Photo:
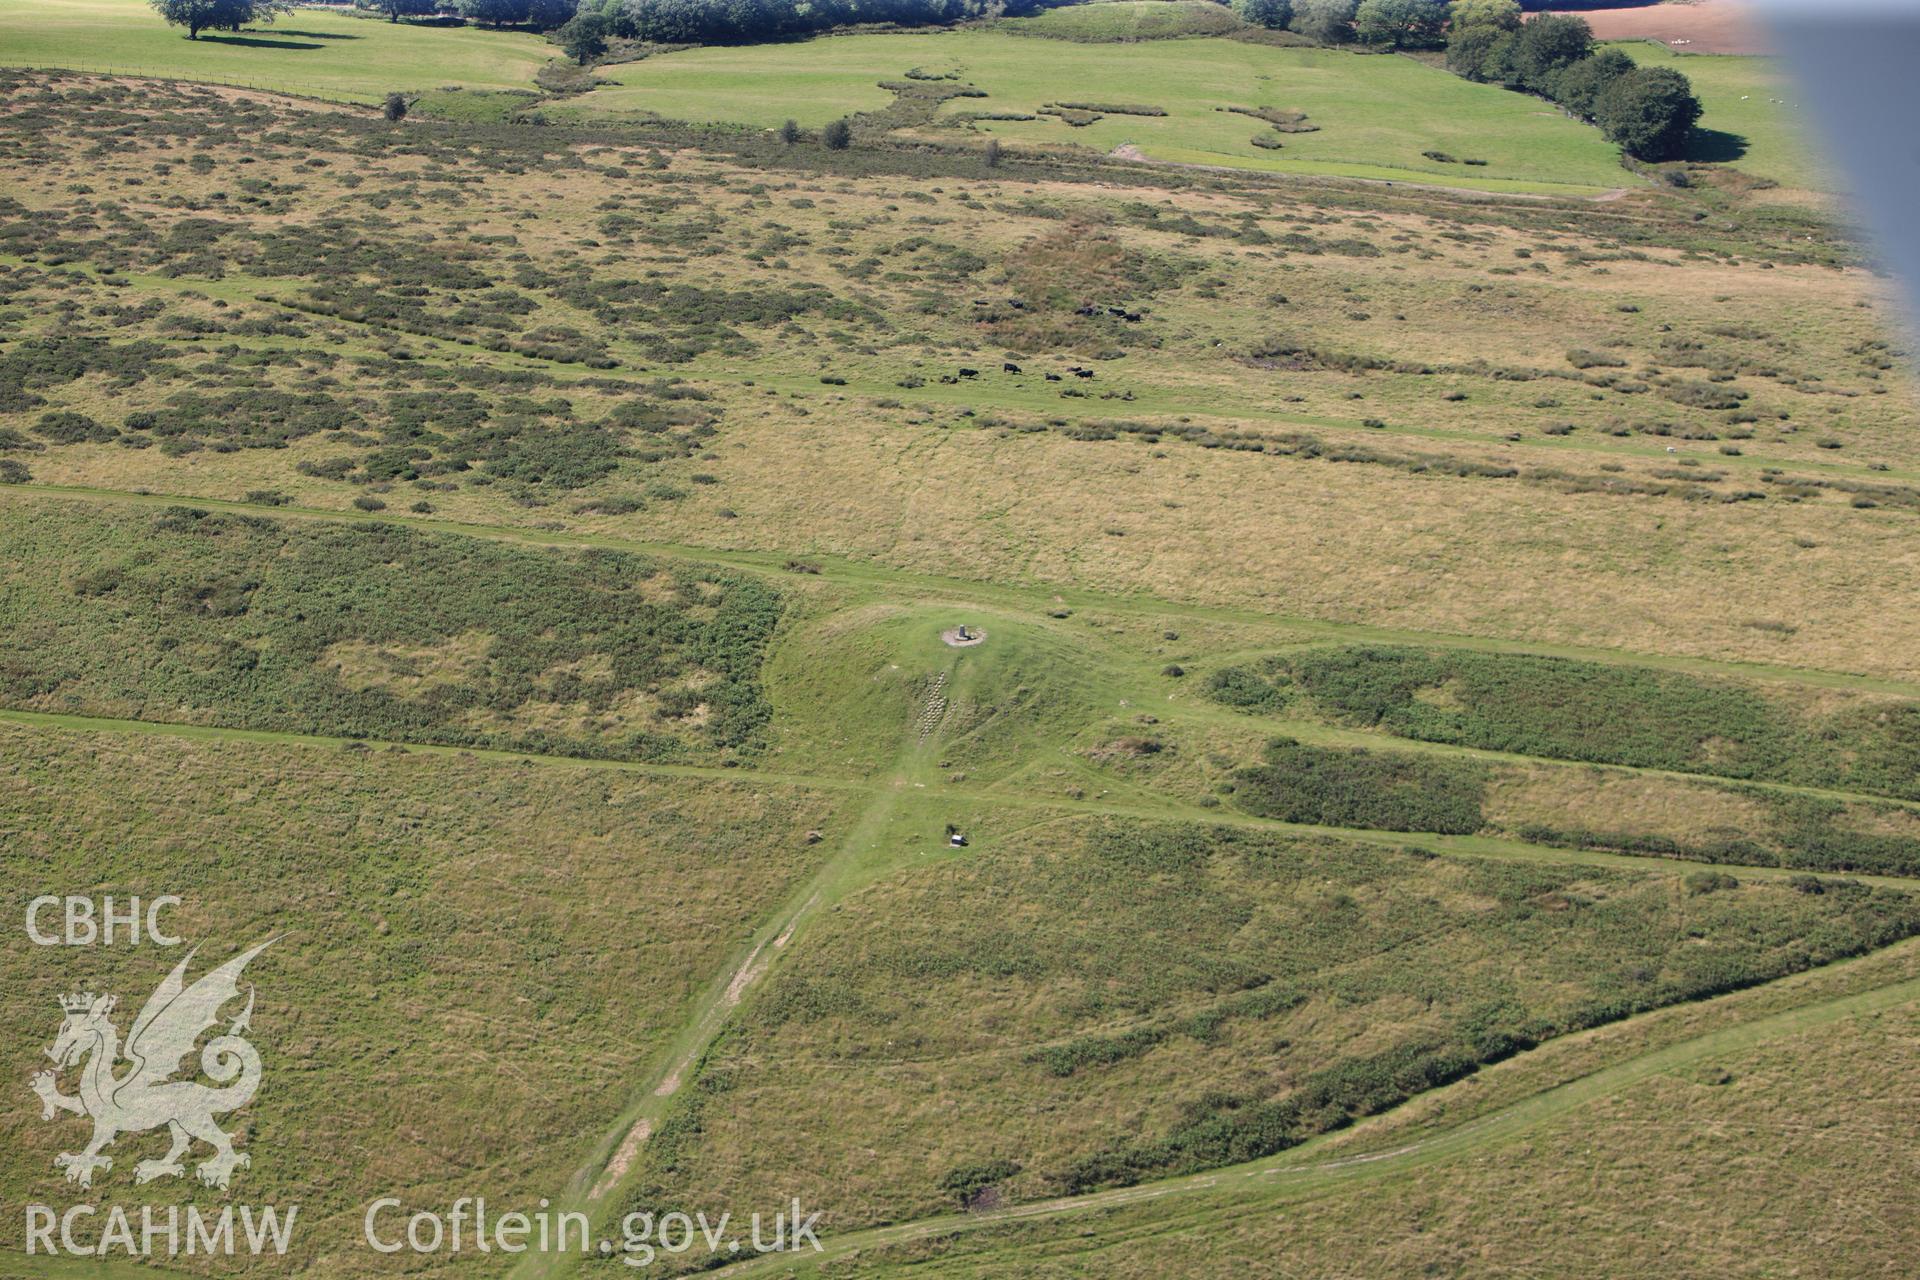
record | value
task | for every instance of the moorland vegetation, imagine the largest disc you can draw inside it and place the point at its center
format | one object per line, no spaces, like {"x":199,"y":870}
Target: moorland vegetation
{"x":1446,"y":663}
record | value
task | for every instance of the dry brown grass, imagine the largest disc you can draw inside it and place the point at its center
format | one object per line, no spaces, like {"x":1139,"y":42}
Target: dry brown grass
{"x":476,"y":958}
{"x":1355,"y":543}
{"x":1582,"y":799}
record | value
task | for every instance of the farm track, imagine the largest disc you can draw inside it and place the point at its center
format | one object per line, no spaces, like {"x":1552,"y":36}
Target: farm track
{"x":855,"y":851}
{"x":1038,"y":597}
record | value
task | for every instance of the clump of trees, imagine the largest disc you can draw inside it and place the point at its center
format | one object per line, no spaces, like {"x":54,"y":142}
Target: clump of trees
{"x":1401,"y":24}
{"x":1328,"y":21}
{"x":694,"y":21}
{"x":1649,"y":111}
{"x":1264,"y":13}
{"x":541,"y":15}
{"x":218,"y":15}
{"x":1390,"y":24}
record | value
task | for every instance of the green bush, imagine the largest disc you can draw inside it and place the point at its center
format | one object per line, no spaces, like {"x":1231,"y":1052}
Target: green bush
{"x":968,"y":1180}
{"x":1245,"y":687}
{"x":1379,"y":791}
{"x":72,"y":428}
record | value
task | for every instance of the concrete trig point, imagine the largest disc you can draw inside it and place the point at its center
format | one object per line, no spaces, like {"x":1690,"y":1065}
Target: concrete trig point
{"x":963,"y":635}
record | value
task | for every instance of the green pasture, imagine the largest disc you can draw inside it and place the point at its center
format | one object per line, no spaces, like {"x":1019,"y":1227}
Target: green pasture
{"x":1756,"y":118}
{"x":309,"y":51}
{"x":1377,"y":115}
{"x":1128,"y":20}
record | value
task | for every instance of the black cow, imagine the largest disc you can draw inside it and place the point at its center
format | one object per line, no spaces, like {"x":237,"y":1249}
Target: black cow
{"x":1053,"y":377}
{"x":969,"y":373}
{"x":1009,"y":367}
{"x":1083,"y":373}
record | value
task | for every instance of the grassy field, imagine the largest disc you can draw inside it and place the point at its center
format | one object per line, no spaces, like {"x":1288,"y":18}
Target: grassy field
{"x":1755,"y":117}
{"x":1121,"y":20}
{"x":1298,"y":368}
{"x":1655,"y":1138}
{"x":474,"y":960}
{"x":1375,"y":116}
{"x":310,"y":51}
{"x":1446,"y":698}
{"x":1077,"y":1007}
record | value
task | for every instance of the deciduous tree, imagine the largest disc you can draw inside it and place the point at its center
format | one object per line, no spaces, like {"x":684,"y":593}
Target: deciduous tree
{"x":398,"y":9}
{"x":1649,"y":111}
{"x":547,"y":15}
{"x":496,"y":13}
{"x":1328,"y":21}
{"x":1578,"y":86}
{"x":1265,"y":13}
{"x":584,"y":38}
{"x":1504,"y":14}
{"x":202,"y":15}
{"x":1401,"y":24}
{"x":1482,"y":52}
{"x":1548,"y":43}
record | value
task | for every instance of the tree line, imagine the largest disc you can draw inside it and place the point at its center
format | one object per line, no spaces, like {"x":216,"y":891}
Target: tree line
{"x":1648,"y":111}
{"x":736,"y":21}
{"x":593,"y":22}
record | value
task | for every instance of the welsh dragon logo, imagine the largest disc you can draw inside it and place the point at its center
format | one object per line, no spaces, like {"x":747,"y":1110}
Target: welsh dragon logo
{"x":146,"y":1095}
